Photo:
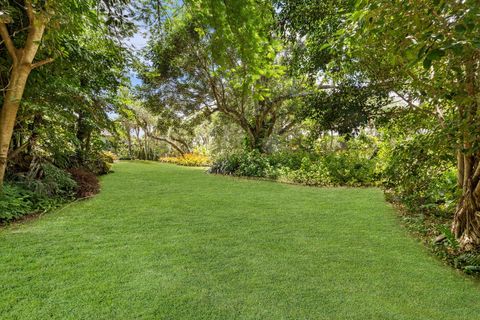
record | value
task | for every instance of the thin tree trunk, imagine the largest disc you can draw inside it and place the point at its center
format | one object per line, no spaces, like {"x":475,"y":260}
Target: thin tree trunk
{"x":8,"y":114}
{"x":129,"y":141}
{"x":22,"y":65}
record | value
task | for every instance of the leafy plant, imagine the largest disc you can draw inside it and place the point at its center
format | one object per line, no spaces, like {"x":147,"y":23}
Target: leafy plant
{"x":87,"y":182}
{"x":17,"y":201}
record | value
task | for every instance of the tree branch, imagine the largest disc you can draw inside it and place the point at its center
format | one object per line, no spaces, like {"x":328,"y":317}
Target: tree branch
{"x":12,"y":51}
{"x":29,"y":10}
{"x":169,"y":142}
{"x":182,"y":142}
{"x":17,"y":151}
{"x":287,"y":127}
{"x":41,"y":63}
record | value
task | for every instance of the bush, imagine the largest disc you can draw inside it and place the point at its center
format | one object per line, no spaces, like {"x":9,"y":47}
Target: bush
{"x":58,"y":182}
{"x":99,"y":166}
{"x":17,"y":201}
{"x":46,"y":180}
{"x":309,"y":173}
{"x":188,"y":159}
{"x":355,"y":164}
{"x":109,"y":156}
{"x":226,"y":165}
{"x":249,"y":164}
{"x":349,"y":168}
{"x":291,"y":160}
{"x":253,"y":164}
{"x":87,"y":182}
{"x":420,"y":175}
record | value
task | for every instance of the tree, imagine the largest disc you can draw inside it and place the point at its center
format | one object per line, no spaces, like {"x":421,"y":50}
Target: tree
{"x":225,"y":57}
{"x":353,"y":101}
{"x":48,"y":25}
{"x":428,"y":53}
{"x":344,"y":109}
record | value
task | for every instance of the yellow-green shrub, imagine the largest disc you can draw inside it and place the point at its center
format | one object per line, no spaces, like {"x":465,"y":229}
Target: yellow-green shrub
{"x":188,"y":159}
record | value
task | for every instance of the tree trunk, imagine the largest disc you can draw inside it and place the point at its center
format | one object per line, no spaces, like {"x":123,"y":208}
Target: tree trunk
{"x":466,"y":221}
{"x":8,"y":114}
{"x":129,"y":141}
{"x":22,"y":65}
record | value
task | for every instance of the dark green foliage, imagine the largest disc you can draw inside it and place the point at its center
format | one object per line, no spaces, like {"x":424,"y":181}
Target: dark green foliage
{"x":317,"y":20}
{"x":350,"y":168}
{"x":344,"y":109}
{"x":353,"y":164}
{"x":469,"y":262}
{"x":46,"y":180}
{"x":42,"y":188}
{"x":99,"y":166}
{"x":309,"y":173}
{"x":17,"y":201}
{"x":57,"y":182}
{"x":419,"y":167}
{"x":289,"y":159}
{"x":249,"y":164}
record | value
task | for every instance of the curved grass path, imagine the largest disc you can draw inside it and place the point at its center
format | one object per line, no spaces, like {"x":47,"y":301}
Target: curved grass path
{"x":165,"y":242}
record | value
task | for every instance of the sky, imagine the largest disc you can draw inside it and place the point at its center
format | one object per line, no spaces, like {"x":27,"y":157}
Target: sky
{"x":137,"y":42}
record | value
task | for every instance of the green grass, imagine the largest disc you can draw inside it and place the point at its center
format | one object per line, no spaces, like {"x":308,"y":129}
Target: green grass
{"x":168,"y":242}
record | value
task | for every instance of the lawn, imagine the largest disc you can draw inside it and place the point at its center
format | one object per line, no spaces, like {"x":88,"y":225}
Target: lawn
{"x":168,"y":242}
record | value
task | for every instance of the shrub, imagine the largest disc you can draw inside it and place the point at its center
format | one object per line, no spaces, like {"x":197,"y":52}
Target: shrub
{"x":14,"y":203}
{"x":99,"y":166}
{"x":291,"y":160}
{"x":250,"y":164}
{"x":226,"y":165}
{"x":17,"y":201}
{"x":253,"y":164}
{"x":57,"y":181}
{"x":349,"y":168}
{"x":420,"y":175}
{"x":109,"y":156}
{"x":188,"y":159}
{"x":87,"y":182}
{"x":309,"y":173}
{"x":352,"y":166}
{"x":46,"y":180}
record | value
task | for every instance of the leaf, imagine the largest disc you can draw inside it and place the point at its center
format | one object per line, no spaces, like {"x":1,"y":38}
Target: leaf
{"x":460,"y":28}
{"x":325,"y":46}
{"x":433,"y":55}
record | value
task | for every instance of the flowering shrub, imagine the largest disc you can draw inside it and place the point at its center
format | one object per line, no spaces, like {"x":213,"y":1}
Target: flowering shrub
{"x":188,"y":159}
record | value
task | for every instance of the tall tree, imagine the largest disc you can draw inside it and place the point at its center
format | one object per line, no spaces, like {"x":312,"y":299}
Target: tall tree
{"x":33,"y":34}
{"x":225,"y":57}
{"x":428,"y":53}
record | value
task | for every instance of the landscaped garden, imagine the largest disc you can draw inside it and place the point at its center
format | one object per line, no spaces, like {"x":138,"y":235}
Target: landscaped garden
{"x":250,"y":159}
{"x":176,"y":243}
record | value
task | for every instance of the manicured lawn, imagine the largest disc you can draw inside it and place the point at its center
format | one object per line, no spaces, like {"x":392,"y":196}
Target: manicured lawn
{"x":167,"y":242}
